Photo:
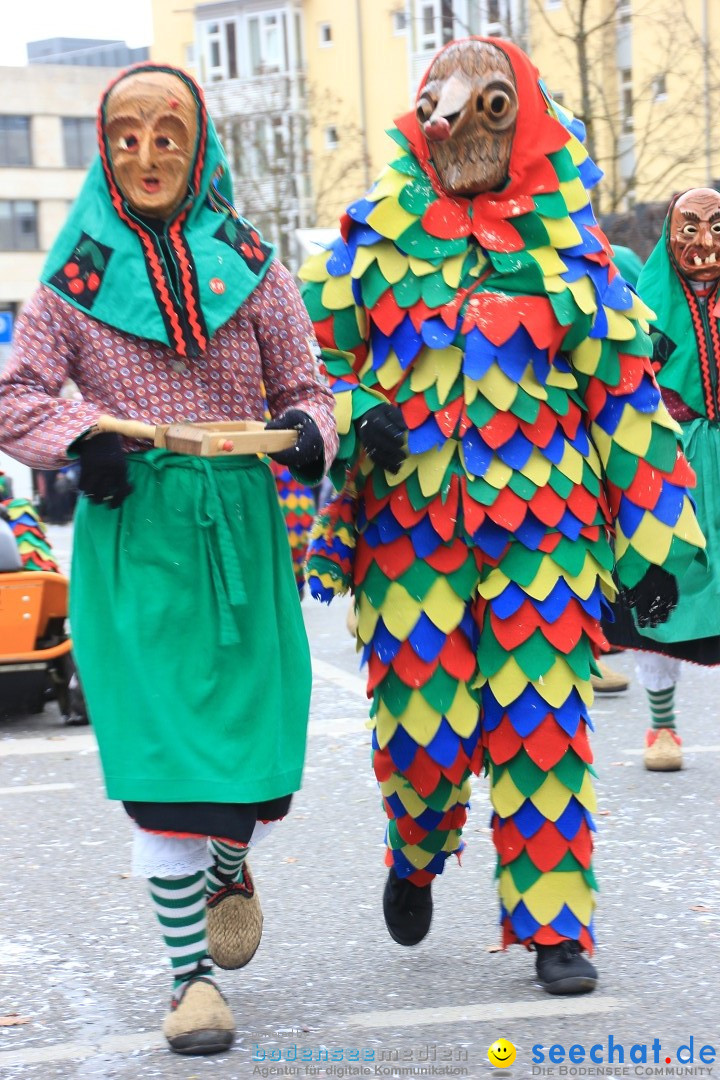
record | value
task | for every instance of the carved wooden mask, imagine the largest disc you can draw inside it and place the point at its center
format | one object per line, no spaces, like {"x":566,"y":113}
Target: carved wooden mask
{"x":695,"y":234}
{"x":467,"y":111}
{"x":151,"y":123}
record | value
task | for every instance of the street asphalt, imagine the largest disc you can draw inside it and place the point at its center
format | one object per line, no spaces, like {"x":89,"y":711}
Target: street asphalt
{"x":84,"y":983}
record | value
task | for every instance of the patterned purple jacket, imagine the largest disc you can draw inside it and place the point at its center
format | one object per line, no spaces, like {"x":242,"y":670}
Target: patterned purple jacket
{"x":264,"y":344}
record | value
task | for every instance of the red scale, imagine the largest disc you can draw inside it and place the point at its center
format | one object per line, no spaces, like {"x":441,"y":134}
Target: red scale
{"x":386,"y":314}
{"x":410,"y":669}
{"x":448,"y":416}
{"x":541,"y":430}
{"x":457,"y":658}
{"x":503,"y":743}
{"x":444,"y":511}
{"x":508,"y":510}
{"x":646,"y":486}
{"x":509,"y":841}
{"x":547,"y":847}
{"x":547,"y":744}
{"x":548,"y":506}
{"x":499,"y":430}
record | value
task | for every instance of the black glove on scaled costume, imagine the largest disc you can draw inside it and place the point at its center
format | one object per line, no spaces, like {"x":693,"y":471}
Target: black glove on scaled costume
{"x":654,"y":597}
{"x":382,"y":432}
{"x":103,"y":470}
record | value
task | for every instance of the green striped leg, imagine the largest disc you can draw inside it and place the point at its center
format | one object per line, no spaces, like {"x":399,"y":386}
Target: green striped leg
{"x":229,"y":859}
{"x":179,"y":904}
{"x":662,"y":708}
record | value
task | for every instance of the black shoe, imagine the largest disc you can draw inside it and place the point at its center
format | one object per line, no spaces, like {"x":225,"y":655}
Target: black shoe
{"x":562,"y":969}
{"x":407,"y":909}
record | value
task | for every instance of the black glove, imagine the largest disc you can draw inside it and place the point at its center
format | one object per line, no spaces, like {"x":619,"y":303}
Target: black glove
{"x":654,"y":597}
{"x":382,"y":432}
{"x":103,"y":470}
{"x":308,"y":453}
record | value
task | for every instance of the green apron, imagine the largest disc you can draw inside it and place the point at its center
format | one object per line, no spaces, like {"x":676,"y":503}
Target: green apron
{"x":697,"y":614}
{"x":188,"y":634}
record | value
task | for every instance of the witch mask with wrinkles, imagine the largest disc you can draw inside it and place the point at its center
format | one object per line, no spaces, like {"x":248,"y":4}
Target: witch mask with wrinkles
{"x":695,"y":234}
{"x":151,"y":127}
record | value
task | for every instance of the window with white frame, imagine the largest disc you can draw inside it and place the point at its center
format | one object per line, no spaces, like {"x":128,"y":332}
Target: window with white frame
{"x":399,"y":23}
{"x":219,"y":50}
{"x":447,"y":20}
{"x":231,"y":56}
{"x":213,"y":59}
{"x":427,"y":36}
{"x":659,"y":87}
{"x":624,"y":12}
{"x":267,"y":44}
{"x":332,"y":139}
{"x":436,"y":24}
{"x":18,"y":225}
{"x":325,"y":37}
{"x":79,"y":141}
{"x":15,"y":140}
{"x":553,"y":5}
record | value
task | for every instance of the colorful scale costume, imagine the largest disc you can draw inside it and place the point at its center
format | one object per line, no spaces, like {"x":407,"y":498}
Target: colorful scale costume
{"x":518,"y":355}
{"x":298,"y":510}
{"x":30,"y":534}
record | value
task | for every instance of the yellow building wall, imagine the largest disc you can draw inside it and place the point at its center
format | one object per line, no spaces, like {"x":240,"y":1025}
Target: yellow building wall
{"x":668,"y":133}
{"x":354,"y":89}
{"x":387,"y":81}
{"x":676,"y":136}
{"x":173,"y":33}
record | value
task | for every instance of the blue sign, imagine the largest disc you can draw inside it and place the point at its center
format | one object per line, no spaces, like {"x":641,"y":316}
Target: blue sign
{"x":6,"y":327}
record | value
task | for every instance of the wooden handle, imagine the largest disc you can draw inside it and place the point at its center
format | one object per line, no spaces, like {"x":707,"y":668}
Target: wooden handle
{"x":131,"y":429}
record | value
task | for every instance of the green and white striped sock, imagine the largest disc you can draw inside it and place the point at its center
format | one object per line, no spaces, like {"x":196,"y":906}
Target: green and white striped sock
{"x":662,"y":708}
{"x":228,"y":860}
{"x":180,"y":907}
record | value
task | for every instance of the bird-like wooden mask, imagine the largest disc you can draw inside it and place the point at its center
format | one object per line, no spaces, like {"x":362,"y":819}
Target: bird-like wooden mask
{"x":467,"y":110}
{"x":695,"y":234}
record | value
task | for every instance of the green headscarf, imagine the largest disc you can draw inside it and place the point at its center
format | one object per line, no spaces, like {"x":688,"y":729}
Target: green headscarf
{"x":663,"y":288}
{"x":628,"y":263}
{"x":109,"y":262}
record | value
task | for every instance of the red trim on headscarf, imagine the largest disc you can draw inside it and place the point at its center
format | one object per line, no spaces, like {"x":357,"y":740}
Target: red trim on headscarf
{"x":537,"y":134}
{"x":186,"y":281}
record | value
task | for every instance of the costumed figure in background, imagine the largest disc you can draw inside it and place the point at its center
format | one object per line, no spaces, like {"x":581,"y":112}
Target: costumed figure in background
{"x":162,"y":304}
{"x":30,"y":534}
{"x":472,"y":303}
{"x":681,"y":283}
{"x":298,"y":510}
{"x":628,"y":263}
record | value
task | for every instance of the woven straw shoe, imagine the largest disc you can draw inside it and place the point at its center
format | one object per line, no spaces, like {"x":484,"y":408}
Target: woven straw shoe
{"x":663,"y":751}
{"x":199,"y":1021}
{"x":608,"y":681}
{"x":234,"y":921}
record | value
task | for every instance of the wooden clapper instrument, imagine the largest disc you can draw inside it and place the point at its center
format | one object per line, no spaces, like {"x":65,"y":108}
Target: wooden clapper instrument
{"x":213,"y":439}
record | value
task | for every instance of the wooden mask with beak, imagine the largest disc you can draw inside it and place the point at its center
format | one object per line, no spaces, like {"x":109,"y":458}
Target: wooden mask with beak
{"x":467,"y":110}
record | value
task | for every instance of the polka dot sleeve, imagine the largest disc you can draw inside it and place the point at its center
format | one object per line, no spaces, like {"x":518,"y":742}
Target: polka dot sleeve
{"x":36,"y":425}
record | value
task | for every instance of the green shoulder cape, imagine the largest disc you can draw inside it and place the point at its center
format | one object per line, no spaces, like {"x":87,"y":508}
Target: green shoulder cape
{"x":111,"y":264}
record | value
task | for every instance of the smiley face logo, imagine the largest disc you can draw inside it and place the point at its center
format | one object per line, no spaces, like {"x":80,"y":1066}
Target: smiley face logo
{"x":501,"y":1054}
